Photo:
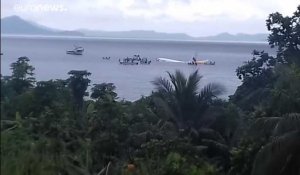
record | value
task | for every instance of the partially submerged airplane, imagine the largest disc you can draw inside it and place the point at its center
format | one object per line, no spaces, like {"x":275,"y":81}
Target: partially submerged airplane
{"x":193,"y":62}
{"x":206,"y":62}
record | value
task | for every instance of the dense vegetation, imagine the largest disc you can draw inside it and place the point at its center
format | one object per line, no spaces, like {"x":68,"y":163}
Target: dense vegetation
{"x":49,"y":127}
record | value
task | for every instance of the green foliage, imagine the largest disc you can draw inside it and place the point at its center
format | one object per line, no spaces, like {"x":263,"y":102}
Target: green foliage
{"x":257,"y":71}
{"x":78,"y":83}
{"x":243,"y":157}
{"x":7,"y":92}
{"x":258,"y":78}
{"x":282,"y":134}
{"x":280,"y":156}
{"x":285,"y":33}
{"x":286,"y":92}
{"x":104,"y":92}
{"x":22,"y":75}
{"x":21,"y":69}
{"x":176,"y":164}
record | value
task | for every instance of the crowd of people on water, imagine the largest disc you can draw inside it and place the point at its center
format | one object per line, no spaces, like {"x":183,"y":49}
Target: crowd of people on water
{"x":106,"y":58}
{"x":135,"y":60}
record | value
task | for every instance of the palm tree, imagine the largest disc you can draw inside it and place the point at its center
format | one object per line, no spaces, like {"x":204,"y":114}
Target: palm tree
{"x":192,"y":110}
{"x":281,"y":155}
{"x":180,"y":100}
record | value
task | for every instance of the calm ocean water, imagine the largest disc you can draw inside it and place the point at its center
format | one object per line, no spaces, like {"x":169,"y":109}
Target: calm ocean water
{"x":48,"y":56}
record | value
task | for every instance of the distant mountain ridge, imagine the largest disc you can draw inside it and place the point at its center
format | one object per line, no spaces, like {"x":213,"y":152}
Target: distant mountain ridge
{"x":237,"y":37}
{"x":15,"y":25}
{"x":18,"y":26}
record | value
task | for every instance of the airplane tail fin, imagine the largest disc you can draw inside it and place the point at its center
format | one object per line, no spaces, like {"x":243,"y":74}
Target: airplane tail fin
{"x":194,"y":60}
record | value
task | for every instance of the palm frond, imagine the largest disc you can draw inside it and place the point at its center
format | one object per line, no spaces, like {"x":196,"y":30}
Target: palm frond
{"x":275,"y":126}
{"x":169,"y":130}
{"x":8,"y":122}
{"x":164,"y":108}
{"x":212,"y":90}
{"x":264,"y":126}
{"x":75,"y":169}
{"x":218,"y":147}
{"x":192,"y":83}
{"x":207,"y":133}
{"x":163,"y":85}
{"x":287,"y":123}
{"x":173,"y":81}
{"x":179,"y":81}
{"x":281,"y":156}
{"x":216,"y":89}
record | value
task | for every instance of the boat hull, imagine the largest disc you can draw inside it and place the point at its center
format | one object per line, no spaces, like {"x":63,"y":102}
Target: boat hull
{"x":146,"y":62}
{"x":129,"y":63}
{"x":74,"y":53}
{"x":204,"y":62}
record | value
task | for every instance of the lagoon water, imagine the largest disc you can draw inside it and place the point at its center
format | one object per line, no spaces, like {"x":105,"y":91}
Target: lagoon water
{"x":48,"y":56}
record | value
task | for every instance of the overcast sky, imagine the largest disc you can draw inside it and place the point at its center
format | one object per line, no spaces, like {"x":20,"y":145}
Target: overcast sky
{"x":194,"y":17}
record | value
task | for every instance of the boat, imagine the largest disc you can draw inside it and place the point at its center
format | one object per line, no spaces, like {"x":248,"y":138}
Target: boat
{"x":145,"y":61}
{"x":76,"y":51}
{"x":106,"y":58}
{"x":135,"y":60}
{"x":128,"y":61}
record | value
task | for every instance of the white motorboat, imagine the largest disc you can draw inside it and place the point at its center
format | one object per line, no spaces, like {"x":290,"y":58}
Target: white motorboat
{"x":76,"y":51}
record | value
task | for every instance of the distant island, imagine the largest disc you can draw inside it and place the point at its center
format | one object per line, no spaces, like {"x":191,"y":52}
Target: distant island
{"x":14,"y":25}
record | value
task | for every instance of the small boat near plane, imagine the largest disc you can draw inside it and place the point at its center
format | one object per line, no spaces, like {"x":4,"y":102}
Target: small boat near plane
{"x":76,"y":51}
{"x":135,"y":60}
{"x":145,"y":61}
{"x":128,"y":61}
